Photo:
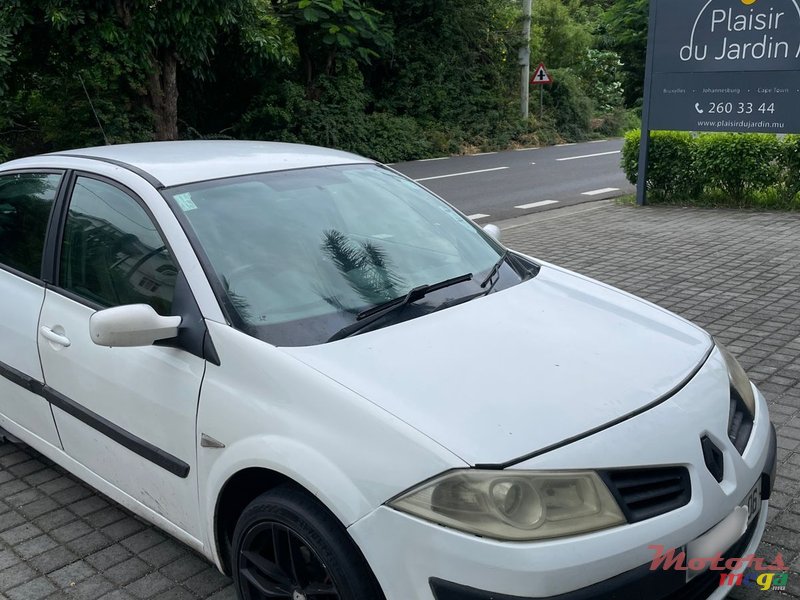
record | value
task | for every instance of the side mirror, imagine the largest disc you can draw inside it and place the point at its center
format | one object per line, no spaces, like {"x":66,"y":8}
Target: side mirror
{"x":131,"y":326}
{"x":494,"y":232}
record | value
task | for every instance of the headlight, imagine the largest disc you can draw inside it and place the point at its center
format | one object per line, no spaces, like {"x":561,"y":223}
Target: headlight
{"x":740,"y":382}
{"x":515,"y":506}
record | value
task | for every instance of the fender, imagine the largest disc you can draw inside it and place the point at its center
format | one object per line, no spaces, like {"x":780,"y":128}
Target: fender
{"x":273,"y":411}
{"x":290,"y":458}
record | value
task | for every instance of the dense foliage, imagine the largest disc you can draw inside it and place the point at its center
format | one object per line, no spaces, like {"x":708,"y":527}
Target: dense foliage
{"x":394,"y":80}
{"x":731,"y":169}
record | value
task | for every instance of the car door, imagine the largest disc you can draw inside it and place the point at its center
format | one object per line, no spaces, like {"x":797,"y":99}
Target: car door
{"x":26,"y":202}
{"x":126,"y":414}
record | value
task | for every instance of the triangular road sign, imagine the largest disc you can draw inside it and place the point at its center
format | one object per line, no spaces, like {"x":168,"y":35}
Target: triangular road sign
{"x":541,"y":76}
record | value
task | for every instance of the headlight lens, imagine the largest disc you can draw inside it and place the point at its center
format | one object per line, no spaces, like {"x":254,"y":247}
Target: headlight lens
{"x":515,"y":506}
{"x":740,"y":382}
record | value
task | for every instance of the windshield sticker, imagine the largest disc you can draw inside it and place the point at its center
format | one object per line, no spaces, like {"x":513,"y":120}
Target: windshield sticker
{"x":185,"y":202}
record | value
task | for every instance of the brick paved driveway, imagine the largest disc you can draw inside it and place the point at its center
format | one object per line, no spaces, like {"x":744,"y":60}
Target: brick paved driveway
{"x":737,"y":274}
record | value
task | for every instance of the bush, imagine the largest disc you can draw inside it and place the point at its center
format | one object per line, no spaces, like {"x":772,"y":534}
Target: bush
{"x":331,"y":113}
{"x":571,"y":107}
{"x":672,"y":173}
{"x":791,"y":167}
{"x":730,"y":169}
{"x":393,"y":139}
{"x":601,"y":72}
{"x":617,"y":122}
{"x":739,"y":164}
{"x":334,"y":113}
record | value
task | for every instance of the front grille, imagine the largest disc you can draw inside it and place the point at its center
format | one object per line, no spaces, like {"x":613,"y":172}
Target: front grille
{"x":740,"y":422}
{"x":646,"y":493}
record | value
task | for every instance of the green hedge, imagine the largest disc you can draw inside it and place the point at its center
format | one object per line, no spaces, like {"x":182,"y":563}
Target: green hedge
{"x":673,"y":172}
{"x":758,"y":170}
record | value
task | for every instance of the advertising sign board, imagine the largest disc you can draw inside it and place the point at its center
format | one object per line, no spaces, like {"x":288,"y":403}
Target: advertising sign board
{"x":721,"y":65}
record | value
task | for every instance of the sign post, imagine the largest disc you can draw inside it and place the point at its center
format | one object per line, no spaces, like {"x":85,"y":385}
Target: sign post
{"x":644,"y":142}
{"x":540,"y":78}
{"x":720,"y":65}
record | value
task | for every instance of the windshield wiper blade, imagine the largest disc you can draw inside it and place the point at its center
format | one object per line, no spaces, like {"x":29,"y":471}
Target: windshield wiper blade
{"x":495,"y":269}
{"x":486,"y":292}
{"x":369,"y":316}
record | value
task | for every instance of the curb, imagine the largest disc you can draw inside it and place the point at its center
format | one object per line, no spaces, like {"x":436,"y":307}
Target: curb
{"x":554,"y":213}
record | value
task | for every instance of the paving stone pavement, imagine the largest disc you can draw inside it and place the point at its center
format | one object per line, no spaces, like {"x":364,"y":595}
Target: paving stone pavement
{"x":59,"y":539}
{"x":735,"y":273}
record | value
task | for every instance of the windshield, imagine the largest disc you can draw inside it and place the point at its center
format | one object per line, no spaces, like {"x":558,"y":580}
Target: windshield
{"x":298,"y":255}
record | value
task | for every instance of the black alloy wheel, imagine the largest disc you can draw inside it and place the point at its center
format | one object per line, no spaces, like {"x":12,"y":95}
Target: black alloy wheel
{"x":289,"y":546}
{"x":276,"y":562}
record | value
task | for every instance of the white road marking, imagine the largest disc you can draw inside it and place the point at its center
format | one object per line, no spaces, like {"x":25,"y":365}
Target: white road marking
{"x":536,"y":204}
{"x":477,"y":216}
{"x":460,"y":174}
{"x":588,"y":155}
{"x":560,"y":214}
{"x":483,"y":153}
{"x":526,"y":149}
{"x":432,"y":159}
{"x":597,"y":141}
{"x":562,"y":145}
{"x":599,"y":192}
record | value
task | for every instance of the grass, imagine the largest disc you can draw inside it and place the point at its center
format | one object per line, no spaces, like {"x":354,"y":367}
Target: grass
{"x":770,"y":199}
{"x":626,"y":200}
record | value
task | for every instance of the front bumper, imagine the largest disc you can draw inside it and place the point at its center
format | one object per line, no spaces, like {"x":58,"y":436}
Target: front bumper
{"x":409,"y":555}
{"x":642,"y":582}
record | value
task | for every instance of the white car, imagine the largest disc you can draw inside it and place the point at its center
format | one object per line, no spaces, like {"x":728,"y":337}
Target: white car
{"x":332,"y":384}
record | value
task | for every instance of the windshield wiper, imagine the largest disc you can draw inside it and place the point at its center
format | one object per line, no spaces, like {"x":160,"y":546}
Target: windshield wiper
{"x":486,"y":281}
{"x":369,"y":316}
{"x":494,"y":271}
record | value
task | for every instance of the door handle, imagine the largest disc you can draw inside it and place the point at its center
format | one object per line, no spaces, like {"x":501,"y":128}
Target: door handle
{"x":56,"y":338}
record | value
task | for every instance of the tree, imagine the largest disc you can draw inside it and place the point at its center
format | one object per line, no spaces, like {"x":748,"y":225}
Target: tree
{"x":326,"y":30}
{"x":395,"y":80}
{"x":561,"y":35}
{"x":626,"y":24}
{"x":169,"y":34}
{"x":454,"y":62}
{"x":143,"y":43}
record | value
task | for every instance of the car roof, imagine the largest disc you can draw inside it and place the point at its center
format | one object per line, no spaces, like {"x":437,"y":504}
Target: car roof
{"x":178,"y":163}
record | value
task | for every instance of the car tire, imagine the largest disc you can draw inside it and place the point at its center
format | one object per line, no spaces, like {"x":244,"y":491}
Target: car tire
{"x":286,"y":544}
{"x":6,"y":437}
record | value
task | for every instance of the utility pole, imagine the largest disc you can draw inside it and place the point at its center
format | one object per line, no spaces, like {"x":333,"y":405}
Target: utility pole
{"x":525,"y":58}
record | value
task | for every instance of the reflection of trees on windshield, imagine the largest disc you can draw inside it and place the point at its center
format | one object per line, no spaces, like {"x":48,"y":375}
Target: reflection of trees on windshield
{"x":365,"y":267}
{"x":240,"y":303}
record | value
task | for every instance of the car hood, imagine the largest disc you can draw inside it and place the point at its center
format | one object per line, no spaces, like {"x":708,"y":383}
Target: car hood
{"x":520,"y":370}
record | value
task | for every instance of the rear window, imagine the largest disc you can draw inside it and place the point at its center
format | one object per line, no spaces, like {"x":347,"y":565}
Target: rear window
{"x":26,"y":200}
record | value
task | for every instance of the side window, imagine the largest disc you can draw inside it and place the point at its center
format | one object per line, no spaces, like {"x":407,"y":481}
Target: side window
{"x":112,"y":253}
{"x":25,"y":203}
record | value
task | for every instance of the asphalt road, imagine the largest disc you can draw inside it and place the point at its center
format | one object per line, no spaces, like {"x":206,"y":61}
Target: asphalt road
{"x":503,"y":185}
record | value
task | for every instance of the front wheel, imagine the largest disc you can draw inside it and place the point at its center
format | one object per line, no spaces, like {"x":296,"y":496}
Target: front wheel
{"x":286,"y":545}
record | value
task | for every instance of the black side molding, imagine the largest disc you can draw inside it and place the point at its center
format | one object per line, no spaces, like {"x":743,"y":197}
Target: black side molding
{"x":22,"y":380}
{"x":133,"y":443}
